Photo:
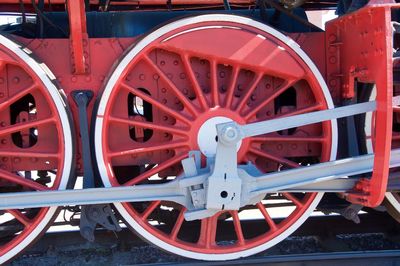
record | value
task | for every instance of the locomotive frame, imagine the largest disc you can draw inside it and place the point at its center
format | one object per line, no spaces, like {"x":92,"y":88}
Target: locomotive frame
{"x":199,"y":121}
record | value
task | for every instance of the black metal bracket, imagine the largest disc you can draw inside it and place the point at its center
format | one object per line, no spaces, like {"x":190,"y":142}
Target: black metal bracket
{"x":91,"y":215}
{"x":82,"y":99}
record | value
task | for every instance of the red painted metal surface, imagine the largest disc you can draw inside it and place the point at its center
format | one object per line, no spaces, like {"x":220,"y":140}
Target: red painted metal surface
{"x":78,"y":37}
{"x":187,"y":81}
{"x":55,"y":53}
{"x":359,"y":47}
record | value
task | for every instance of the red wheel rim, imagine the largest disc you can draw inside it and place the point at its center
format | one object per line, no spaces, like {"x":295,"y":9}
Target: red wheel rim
{"x":184,"y":78}
{"x":34,"y":132}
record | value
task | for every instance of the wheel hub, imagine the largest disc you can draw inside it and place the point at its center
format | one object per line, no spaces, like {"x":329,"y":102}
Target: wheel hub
{"x":207,"y":138}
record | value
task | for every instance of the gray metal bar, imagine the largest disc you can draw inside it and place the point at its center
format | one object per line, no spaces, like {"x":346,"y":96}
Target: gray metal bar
{"x":318,"y":174}
{"x":21,"y":200}
{"x":321,"y":177}
{"x":274,"y":125}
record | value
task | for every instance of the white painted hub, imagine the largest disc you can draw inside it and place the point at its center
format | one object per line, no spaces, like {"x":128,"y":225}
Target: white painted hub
{"x":207,"y":136}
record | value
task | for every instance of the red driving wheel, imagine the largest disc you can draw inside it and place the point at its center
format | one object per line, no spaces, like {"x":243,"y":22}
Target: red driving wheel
{"x":164,"y":99}
{"x":35,"y":144}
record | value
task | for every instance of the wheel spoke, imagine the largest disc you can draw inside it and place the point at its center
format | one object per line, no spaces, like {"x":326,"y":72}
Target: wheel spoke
{"x":249,"y":92}
{"x":272,"y":157}
{"x":281,"y":89}
{"x":186,"y":102}
{"x":231,"y":88}
{"x":148,"y":148}
{"x":21,"y":181}
{"x":178,"y":224}
{"x":267,"y":217}
{"x":162,"y":166}
{"x":238,"y":227}
{"x":28,"y":154}
{"x":309,"y":109}
{"x":26,"y":125}
{"x":149,"y":125}
{"x":293,"y":199}
{"x":214,"y":82}
{"x":150,"y":209}
{"x":196,"y":87}
{"x":20,"y":217}
{"x":208,"y":231}
{"x":155,"y":103}
{"x":18,"y":96}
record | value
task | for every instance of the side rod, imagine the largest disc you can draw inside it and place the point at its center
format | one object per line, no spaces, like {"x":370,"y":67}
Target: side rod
{"x":175,"y":191}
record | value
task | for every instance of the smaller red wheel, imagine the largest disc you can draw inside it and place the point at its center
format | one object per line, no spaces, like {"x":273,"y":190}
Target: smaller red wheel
{"x":165,"y":98}
{"x":35,"y":144}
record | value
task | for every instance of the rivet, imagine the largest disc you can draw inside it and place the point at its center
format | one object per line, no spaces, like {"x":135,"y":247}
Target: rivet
{"x":88,"y":78}
{"x":165,"y":118}
{"x":169,"y":75}
{"x":182,"y":75}
{"x":176,"y":62}
{"x":162,"y":63}
{"x":163,"y":90}
{"x":3,"y":141}
{"x":332,"y":60}
{"x":268,"y":86}
{"x":73,"y":78}
{"x":156,"y":76}
{"x":142,"y":77}
{"x":222,"y":74}
{"x":185,"y":91}
{"x":1,"y":95}
{"x":332,"y":37}
{"x":253,"y":97}
{"x":164,"y":101}
{"x":16,"y":80}
{"x":3,"y":124}
{"x":333,"y":82}
{"x":17,"y":160}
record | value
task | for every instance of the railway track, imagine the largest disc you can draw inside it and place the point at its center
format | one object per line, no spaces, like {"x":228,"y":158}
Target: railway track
{"x":322,"y":239}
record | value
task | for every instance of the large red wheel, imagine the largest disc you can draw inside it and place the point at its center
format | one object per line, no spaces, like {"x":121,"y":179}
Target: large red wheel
{"x":35,"y":144}
{"x":165,"y":98}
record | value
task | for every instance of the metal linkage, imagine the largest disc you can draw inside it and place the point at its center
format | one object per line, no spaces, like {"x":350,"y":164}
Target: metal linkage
{"x":222,"y":184}
{"x":179,"y":190}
